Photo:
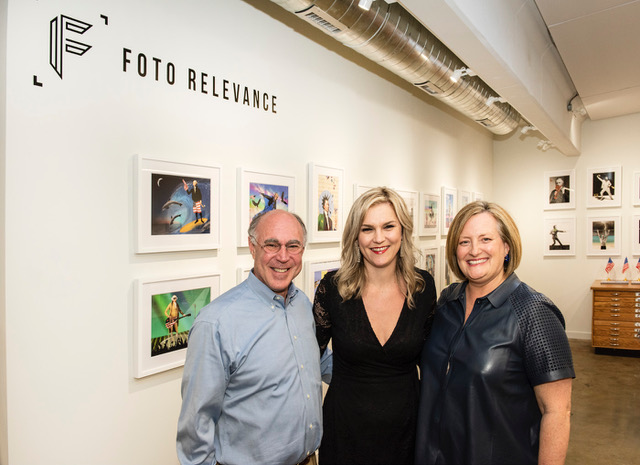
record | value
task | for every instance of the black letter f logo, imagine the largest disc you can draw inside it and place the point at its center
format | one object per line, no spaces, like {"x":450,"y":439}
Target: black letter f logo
{"x":58,"y":44}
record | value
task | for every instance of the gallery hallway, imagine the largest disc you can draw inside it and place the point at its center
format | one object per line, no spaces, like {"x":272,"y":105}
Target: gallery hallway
{"x":605,"y":418}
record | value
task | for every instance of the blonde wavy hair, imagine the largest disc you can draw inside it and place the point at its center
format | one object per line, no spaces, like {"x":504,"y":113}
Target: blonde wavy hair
{"x":351,"y":278}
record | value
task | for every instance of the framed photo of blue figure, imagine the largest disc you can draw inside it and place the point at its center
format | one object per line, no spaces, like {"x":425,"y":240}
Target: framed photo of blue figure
{"x":604,"y":186}
{"x":604,"y":235}
{"x":431,"y":263}
{"x":559,"y":236}
{"x":165,"y":310}
{"x":177,"y":205}
{"x":559,"y":191}
{"x":449,"y":208}
{"x":326,"y":200}
{"x":315,"y":271}
{"x":259,"y":193}
{"x":429,"y":214}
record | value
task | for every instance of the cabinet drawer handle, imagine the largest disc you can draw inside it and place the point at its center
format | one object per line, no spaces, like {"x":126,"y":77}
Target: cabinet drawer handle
{"x":614,"y":324}
{"x":613,"y":344}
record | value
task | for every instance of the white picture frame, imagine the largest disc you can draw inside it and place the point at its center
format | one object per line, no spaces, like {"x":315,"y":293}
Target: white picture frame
{"x":604,"y":235}
{"x":155,"y":351}
{"x":165,"y":205}
{"x":559,"y":189}
{"x":635,"y":235}
{"x":604,"y":187}
{"x":464,"y":198}
{"x":429,"y":214}
{"x":448,"y":207}
{"x":635,"y":195}
{"x":559,"y":236}
{"x":359,"y":189}
{"x":326,"y":190}
{"x":446,"y":274}
{"x":315,"y":271}
{"x":259,"y":192}
{"x":431,"y":262}
{"x":412,"y":200}
{"x":242,"y":273}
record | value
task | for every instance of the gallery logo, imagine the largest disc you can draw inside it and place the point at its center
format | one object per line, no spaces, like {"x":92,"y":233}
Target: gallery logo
{"x":59,"y":43}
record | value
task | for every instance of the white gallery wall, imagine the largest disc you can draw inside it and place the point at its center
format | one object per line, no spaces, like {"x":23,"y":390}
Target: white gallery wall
{"x":519,"y":184}
{"x":68,"y":190}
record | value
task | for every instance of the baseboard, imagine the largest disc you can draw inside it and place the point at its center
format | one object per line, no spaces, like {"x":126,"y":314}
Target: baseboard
{"x":578,"y":335}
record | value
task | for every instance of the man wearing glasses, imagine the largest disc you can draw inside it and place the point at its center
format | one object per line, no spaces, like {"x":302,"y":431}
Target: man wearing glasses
{"x":251,"y":388}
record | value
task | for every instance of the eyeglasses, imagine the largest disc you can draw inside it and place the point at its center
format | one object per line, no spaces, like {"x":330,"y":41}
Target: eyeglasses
{"x":294,"y":248}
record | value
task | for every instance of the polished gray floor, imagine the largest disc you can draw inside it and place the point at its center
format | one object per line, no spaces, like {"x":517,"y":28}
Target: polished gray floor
{"x":605,"y":413}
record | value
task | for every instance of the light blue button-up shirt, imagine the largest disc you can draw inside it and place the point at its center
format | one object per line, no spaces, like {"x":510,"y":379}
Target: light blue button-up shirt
{"x":251,"y":389}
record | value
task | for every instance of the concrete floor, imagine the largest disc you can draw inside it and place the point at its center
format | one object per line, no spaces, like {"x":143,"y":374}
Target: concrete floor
{"x":605,"y":417}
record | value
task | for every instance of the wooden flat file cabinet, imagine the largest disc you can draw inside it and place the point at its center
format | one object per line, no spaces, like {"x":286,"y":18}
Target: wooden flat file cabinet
{"x":616,"y":316}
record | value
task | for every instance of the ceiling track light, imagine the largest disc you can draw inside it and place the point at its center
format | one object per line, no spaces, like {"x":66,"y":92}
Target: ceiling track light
{"x":545,"y":145}
{"x":526,"y":129}
{"x":460,"y":72}
{"x":365,"y":4}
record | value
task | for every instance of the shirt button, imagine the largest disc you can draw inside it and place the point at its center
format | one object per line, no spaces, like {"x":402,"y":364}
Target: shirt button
{"x":308,"y":396}
{"x":310,"y":426}
{"x":295,"y":338}
{"x":302,"y":367}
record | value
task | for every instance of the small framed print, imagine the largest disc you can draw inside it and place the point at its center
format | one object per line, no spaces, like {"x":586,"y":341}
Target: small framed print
{"x":359,"y":189}
{"x":604,"y":186}
{"x":448,"y":207}
{"x":635,"y":235}
{"x":165,"y":312}
{"x":429,"y":213}
{"x":259,"y":193}
{"x":242,"y":274}
{"x":477,"y":196}
{"x":177,"y":206}
{"x":559,"y":236}
{"x":431,"y":263}
{"x":446,"y":275}
{"x":326,"y":199}
{"x":559,"y":190}
{"x":636,"y":189}
{"x":464,"y":197}
{"x":603,"y":235}
{"x":412,"y":201}
{"x":315,"y":273}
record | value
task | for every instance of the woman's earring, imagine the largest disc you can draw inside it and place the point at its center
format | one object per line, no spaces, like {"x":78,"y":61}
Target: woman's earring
{"x":507,"y":258}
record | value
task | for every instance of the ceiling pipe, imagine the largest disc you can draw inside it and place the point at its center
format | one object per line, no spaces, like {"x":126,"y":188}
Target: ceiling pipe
{"x":390,"y":36}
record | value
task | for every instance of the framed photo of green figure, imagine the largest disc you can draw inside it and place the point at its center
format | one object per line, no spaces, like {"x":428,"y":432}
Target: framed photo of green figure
{"x":259,"y":193}
{"x":560,"y":236}
{"x":177,"y":206}
{"x":164,"y":314}
{"x":604,"y":186}
{"x":604,"y":235}
{"x":559,"y":190}
{"x":326,"y":200}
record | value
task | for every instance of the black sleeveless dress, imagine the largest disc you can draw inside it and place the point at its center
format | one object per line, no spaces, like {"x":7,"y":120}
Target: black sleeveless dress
{"x":370,"y":409}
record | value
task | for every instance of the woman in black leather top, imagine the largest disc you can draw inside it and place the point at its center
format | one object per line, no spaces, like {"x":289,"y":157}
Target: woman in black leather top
{"x":497,"y":369}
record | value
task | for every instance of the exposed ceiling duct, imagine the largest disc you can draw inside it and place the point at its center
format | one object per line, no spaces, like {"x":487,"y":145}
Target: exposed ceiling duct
{"x":390,"y":36}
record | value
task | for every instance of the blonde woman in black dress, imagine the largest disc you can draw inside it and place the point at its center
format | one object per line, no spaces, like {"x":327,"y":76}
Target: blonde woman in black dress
{"x":377,"y":311}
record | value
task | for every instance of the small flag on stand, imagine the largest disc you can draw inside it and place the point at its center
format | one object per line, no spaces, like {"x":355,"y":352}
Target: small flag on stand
{"x":638,"y":268}
{"x":609,"y":266}
{"x":625,"y":266}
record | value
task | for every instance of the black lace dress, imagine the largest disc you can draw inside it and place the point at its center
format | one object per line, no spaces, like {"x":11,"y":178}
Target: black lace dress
{"x":370,"y":409}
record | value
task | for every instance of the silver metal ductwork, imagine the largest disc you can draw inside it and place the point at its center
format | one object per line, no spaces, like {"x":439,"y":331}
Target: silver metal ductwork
{"x":390,"y":36}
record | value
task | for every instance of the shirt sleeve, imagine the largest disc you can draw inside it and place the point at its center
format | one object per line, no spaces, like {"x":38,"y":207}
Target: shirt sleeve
{"x":204,"y":381}
{"x":321,"y":304}
{"x":547,"y":354}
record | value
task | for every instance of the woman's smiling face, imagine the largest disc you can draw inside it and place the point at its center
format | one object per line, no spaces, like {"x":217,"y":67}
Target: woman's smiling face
{"x":380,"y":236}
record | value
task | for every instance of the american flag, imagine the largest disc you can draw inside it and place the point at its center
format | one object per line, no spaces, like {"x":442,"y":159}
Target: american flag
{"x":625,"y":266}
{"x":638,"y":265}
{"x":609,"y":266}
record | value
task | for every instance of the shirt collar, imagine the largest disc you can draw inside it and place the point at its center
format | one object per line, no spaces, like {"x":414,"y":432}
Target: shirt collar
{"x":497,"y":297}
{"x":262,"y":290}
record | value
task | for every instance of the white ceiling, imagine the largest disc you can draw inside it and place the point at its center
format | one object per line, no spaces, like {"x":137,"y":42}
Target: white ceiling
{"x":599,"y":43}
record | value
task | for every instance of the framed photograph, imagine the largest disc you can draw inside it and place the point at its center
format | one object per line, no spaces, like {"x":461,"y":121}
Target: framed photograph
{"x":635,"y":235}
{"x":242,"y":274}
{"x":429,"y":211}
{"x":464,"y":197}
{"x":604,"y":186}
{"x":431,"y":263}
{"x":359,"y":189}
{"x":446,"y":275}
{"x":326,"y":200}
{"x":603,"y":235}
{"x":164,"y":313}
{"x":559,"y":190}
{"x":315,"y":272}
{"x":448,"y":208}
{"x":477,"y":196}
{"x":636,"y":189}
{"x":412,"y":200}
{"x":177,"y":206}
{"x":259,"y":193}
{"x":560,"y":236}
